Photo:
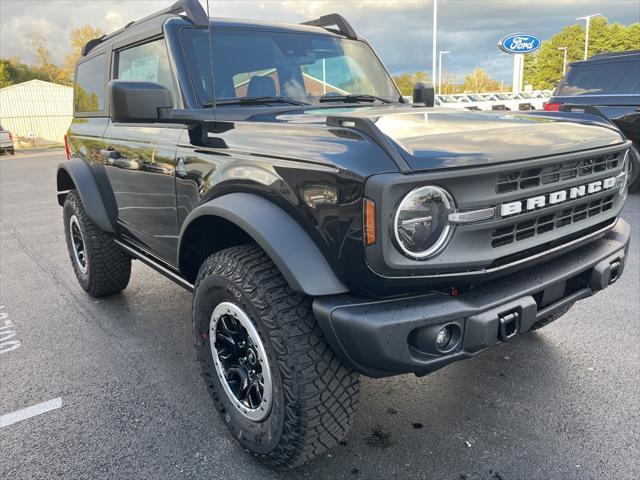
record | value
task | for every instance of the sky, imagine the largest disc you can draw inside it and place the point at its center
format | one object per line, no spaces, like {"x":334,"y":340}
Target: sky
{"x":399,"y":30}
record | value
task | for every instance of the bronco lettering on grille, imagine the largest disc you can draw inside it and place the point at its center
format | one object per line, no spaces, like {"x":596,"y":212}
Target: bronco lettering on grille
{"x":554,"y":198}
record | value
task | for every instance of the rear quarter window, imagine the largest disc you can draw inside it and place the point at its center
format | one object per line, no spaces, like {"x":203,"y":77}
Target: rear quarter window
{"x":89,"y":89}
{"x":603,"y":78}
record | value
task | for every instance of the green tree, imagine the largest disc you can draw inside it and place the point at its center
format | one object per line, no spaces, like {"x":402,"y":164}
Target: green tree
{"x":478,"y":81}
{"x":543,"y":69}
{"x":13,"y":71}
{"x":406,"y":81}
{"x":38,"y":45}
{"x":78,"y":37}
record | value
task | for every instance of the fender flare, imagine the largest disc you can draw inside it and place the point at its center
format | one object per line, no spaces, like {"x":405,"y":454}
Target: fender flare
{"x":84,"y":181}
{"x":292,"y":250}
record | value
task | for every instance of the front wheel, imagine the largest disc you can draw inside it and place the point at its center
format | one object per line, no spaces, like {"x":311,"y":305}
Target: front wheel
{"x":277,"y":385}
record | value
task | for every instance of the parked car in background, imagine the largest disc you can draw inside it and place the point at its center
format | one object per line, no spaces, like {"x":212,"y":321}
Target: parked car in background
{"x":6,"y":141}
{"x":451,"y":101}
{"x":504,"y":99}
{"x":611,"y":83}
{"x":537,"y":102}
{"x":480,"y":101}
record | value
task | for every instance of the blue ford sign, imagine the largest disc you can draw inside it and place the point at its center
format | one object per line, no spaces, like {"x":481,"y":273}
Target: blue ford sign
{"x":519,"y":43}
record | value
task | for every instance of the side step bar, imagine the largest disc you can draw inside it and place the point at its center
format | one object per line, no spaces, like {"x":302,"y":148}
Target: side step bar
{"x":170,"y":274}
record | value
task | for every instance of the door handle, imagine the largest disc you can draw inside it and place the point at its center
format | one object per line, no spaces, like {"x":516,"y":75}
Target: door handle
{"x":181,"y":170}
{"x":108,"y":153}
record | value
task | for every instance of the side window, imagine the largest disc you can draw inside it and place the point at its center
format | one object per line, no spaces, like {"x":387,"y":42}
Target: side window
{"x":615,"y":77}
{"x":89,"y":86}
{"x":148,"y":62}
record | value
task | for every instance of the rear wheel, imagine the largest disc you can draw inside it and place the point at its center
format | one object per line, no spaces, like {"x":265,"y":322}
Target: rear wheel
{"x":277,"y":385}
{"x":101,"y":267}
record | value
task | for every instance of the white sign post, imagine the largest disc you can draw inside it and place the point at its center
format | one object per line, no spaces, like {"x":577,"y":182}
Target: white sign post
{"x":519,"y":44}
{"x":518,"y":72}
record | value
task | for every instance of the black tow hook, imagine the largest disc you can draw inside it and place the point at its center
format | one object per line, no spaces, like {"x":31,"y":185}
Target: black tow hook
{"x":508,"y":325}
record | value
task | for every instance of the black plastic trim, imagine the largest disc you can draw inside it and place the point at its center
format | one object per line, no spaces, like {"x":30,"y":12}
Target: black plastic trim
{"x":86,"y":185}
{"x":339,"y":21}
{"x":373,"y":336}
{"x":156,"y":265}
{"x":282,"y":238}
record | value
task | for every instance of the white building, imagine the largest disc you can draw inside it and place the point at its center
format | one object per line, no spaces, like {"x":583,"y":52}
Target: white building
{"x":37,"y":113}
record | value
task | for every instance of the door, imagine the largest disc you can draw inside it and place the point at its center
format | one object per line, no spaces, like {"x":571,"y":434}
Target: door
{"x":140,"y":159}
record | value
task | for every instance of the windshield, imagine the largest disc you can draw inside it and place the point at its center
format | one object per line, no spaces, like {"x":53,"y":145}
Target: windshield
{"x":476,"y":98}
{"x":300,"y":66}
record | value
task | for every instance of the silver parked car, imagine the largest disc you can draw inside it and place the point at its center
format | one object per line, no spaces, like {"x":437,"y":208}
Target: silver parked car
{"x":6,"y":141}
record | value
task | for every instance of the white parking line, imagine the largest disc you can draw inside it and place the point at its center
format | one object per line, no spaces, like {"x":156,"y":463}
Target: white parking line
{"x":39,"y":409}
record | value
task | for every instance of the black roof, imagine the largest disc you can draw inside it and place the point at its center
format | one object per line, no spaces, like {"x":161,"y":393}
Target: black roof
{"x":607,"y":56}
{"x":192,"y":11}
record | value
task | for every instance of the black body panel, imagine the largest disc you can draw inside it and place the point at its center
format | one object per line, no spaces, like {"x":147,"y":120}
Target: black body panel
{"x":309,"y":168}
{"x":375,"y":338}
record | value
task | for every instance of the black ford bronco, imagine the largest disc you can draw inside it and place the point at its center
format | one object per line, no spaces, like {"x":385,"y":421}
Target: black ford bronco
{"x":326,"y":228}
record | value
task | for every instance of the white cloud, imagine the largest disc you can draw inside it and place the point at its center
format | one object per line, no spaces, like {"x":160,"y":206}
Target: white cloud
{"x":399,"y":30}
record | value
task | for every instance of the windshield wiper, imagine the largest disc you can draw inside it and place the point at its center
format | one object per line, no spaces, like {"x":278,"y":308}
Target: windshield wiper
{"x":353,"y":98}
{"x":256,"y":101}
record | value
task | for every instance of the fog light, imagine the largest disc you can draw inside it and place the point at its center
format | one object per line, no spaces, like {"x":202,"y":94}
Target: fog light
{"x":437,"y":339}
{"x":443,"y":337}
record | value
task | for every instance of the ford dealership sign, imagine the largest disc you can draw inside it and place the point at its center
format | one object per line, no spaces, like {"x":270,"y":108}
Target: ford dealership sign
{"x":519,"y":43}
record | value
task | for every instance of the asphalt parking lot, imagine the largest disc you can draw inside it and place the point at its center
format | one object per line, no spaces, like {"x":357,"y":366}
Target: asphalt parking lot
{"x":563,"y":403}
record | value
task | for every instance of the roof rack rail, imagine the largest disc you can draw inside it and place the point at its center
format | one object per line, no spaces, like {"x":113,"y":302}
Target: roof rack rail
{"x":333,"y":19}
{"x":192,"y":8}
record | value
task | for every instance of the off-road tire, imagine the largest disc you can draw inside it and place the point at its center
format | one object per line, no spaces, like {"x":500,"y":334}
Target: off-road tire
{"x":634,"y":179}
{"x":108,"y":266}
{"x":314,"y":395}
{"x":551,"y":318}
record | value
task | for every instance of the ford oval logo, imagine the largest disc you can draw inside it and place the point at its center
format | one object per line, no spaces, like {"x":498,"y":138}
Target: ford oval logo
{"x":519,"y":43}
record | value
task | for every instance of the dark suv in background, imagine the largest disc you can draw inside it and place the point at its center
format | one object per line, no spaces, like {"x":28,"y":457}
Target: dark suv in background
{"x":611,"y":83}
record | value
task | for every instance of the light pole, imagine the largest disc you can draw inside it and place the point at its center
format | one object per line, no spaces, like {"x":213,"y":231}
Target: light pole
{"x":587,"y":19}
{"x":435,"y":39}
{"x":564,"y":61}
{"x":442,"y":52}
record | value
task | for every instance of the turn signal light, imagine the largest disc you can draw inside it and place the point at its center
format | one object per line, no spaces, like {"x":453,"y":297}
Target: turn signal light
{"x":552,"y":107}
{"x":369,"y":222}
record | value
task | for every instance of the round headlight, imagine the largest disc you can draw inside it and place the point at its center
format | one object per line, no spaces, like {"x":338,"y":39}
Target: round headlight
{"x":421,"y":224}
{"x":623,"y":177}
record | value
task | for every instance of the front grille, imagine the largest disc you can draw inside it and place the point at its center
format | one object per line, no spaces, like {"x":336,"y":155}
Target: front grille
{"x":535,"y":177}
{"x":546,"y":223}
{"x":544,"y":247}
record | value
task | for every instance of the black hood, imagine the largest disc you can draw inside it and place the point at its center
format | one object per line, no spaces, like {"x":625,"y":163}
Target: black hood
{"x":432,"y":138}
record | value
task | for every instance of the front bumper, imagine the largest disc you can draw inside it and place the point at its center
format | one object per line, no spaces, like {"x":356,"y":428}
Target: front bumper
{"x":379,"y":337}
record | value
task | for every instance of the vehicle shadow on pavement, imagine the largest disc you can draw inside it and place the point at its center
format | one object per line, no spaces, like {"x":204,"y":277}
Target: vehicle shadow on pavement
{"x":403,"y":423}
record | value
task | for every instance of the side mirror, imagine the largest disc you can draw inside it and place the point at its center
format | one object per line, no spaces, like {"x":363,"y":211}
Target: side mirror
{"x":423,"y":92}
{"x":136,"y":101}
